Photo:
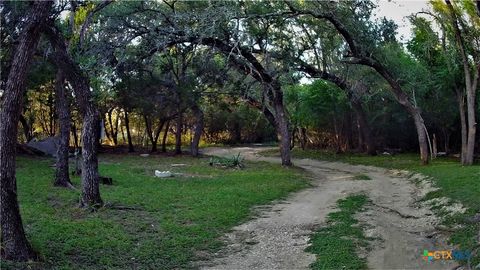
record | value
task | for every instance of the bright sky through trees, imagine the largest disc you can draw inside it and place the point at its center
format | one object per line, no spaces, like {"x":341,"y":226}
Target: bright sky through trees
{"x":397,"y":11}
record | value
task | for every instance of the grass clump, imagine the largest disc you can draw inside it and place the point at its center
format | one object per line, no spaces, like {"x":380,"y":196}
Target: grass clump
{"x":361,"y":177}
{"x":228,"y":162}
{"x":337,"y":243}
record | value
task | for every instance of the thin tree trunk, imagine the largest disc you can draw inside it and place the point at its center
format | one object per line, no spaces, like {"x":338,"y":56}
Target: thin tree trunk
{"x":148,"y":127}
{"x":151,"y":135}
{"x":471,"y":83}
{"x":157,"y":135}
{"x":27,"y":130}
{"x":113,"y":127}
{"x":434,"y":146}
{"x":91,"y":120}
{"x":197,"y":129}
{"x":75,"y":135}
{"x":62,"y":178}
{"x":129,"y":136}
{"x":124,"y":140}
{"x":15,"y":245}
{"x":463,"y":123}
{"x":178,"y":134}
{"x":165,"y":135}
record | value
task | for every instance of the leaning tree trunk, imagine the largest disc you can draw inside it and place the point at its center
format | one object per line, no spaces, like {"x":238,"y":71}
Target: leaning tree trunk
{"x":62,"y":178}
{"x":403,"y":99}
{"x":129,"y":135}
{"x":14,"y":243}
{"x":197,"y":130}
{"x":91,"y":119}
{"x":178,"y":134}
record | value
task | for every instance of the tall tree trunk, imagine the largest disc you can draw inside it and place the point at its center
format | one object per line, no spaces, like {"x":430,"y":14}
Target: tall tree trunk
{"x":62,"y":178}
{"x":472,"y":124}
{"x":281,"y":124}
{"x":91,"y":119}
{"x":129,"y":135}
{"x":471,"y":83}
{"x":463,"y":123}
{"x":148,"y":127}
{"x":15,"y":245}
{"x":178,"y":134}
{"x":165,"y":135}
{"x":197,"y":129}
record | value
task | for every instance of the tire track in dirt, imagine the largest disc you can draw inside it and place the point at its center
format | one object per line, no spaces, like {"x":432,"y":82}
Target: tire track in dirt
{"x":277,"y":238}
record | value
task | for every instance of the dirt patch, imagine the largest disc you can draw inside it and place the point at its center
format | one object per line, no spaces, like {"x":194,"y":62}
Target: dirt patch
{"x":277,"y":239}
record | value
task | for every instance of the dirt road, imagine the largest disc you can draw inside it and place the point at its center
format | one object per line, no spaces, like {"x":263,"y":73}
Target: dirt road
{"x":277,"y":238}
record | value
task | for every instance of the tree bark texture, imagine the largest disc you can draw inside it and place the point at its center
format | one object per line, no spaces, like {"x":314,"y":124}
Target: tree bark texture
{"x":90,"y":115}
{"x":15,"y":245}
{"x":178,"y":134}
{"x":62,"y":177}
{"x":131,"y":149}
{"x":197,"y":129}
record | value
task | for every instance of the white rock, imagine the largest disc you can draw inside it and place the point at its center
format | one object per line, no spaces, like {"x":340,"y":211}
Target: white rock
{"x":163,"y":174}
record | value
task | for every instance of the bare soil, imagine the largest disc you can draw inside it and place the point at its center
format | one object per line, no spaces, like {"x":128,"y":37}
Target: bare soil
{"x":276,"y":239}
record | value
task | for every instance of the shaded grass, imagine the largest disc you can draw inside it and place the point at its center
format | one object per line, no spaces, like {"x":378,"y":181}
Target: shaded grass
{"x":149,"y":223}
{"x":460,"y":183}
{"x":337,"y":243}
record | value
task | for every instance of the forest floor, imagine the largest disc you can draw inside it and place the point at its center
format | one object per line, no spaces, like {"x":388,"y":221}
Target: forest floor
{"x":398,"y":219}
{"x":147,"y":222}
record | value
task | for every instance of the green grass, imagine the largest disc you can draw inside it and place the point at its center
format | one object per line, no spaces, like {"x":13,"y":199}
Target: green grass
{"x":361,"y":177}
{"x":337,"y":243}
{"x":460,"y":183}
{"x":169,"y":223}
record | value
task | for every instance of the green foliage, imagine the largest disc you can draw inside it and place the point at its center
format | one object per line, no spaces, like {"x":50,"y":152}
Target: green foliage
{"x":337,"y":243}
{"x":314,"y":105}
{"x":148,"y":223}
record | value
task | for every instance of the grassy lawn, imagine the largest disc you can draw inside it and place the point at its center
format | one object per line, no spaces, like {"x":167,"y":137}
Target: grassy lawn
{"x":337,"y":243}
{"x":149,"y":223}
{"x":460,"y":183}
